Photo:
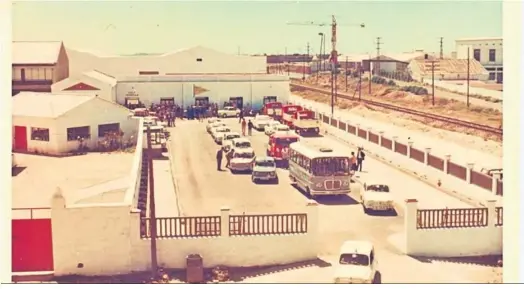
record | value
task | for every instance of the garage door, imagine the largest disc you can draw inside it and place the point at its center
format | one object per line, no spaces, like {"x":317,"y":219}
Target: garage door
{"x":32,"y":245}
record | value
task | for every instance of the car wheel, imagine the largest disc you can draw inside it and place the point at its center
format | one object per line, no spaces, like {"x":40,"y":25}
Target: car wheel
{"x":254,"y":180}
{"x":365,"y":209}
{"x":378,"y":278}
{"x":224,"y":115}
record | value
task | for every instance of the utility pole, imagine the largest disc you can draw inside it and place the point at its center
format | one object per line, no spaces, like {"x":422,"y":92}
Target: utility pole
{"x":346,"y":73}
{"x":370,"y":75}
{"x":359,"y":81}
{"x":304,"y":63}
{"x":433,"y":81}
{"x":467,"y":84}
{"x":378,"y":56}
{"x":152,"y":208}
{"x":441,"y":47}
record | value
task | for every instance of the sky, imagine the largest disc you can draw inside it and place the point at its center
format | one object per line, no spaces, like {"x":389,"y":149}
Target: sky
{"x":128,"y":27}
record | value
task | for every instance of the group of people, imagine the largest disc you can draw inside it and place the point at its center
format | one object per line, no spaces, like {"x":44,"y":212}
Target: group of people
{"x":357,"y":160}
{"x":249,"y":125}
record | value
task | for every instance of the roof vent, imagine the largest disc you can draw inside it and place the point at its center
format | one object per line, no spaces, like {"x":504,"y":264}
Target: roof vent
{"x":326,"y":150}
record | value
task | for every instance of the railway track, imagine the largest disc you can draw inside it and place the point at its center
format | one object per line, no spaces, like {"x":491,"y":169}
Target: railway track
{"x":450,"y":120}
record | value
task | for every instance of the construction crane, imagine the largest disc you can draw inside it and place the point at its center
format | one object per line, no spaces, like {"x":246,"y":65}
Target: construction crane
{"x":334,"y":54}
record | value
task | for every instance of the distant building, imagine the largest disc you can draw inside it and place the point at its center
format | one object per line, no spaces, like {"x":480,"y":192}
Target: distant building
{"x":37,"y":65}
{"x":421,"y":69}
{"x":487,"y":51}
{"x":88,"y":83}
{"x":391,"y":62}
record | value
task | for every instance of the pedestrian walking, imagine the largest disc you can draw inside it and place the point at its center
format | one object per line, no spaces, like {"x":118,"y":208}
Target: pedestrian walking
{"x":219,"y":159}
{"x":360,"y":158}
{"x":249,"y":127}
{"x":243,"y":127}
{"x":353,"y":161}
{"x":240,"y":116}
{"x":229,"y":156}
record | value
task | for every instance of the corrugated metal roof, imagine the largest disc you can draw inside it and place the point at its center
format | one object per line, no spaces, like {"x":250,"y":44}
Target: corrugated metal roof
{"x":451,"y":66}
{"x":103,"y":77}
{"x":36,"y":52}
{"x":46,"y":105}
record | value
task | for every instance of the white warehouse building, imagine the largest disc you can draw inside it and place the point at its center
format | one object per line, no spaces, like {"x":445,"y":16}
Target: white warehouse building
{"x":488,"y":51}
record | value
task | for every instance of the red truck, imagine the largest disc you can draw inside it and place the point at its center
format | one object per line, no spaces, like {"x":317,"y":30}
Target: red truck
{"x":278,"y":147}
{"x":273,"y":109}
{"x":301,"y":120}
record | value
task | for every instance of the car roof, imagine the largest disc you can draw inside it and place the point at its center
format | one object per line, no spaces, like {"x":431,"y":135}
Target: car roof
{"x":359,"y":247}
{"x":241,"y":139}
{"x":282,"y":125}
{"x":264,"y":158}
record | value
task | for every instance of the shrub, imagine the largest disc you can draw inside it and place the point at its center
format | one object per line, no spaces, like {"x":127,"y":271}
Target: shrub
{"x":392,"y":83}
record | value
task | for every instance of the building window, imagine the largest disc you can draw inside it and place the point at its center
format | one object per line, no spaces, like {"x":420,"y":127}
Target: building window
{"x":492,"y":76}
{"x":77,"y":133}
{"x":105,"y":129}
{"x":492,"y":55}
{"x":17,"y":73}
{"x":476,"y":54}
{"x":49,"y":73}
{"x":199,"y":59}
{"x":22,"y":74}
{"x":40,"y":134}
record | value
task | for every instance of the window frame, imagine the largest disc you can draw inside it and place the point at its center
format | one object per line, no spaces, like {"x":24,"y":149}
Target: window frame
{"x":74,"y":136}
{"x":102,"y":132}
{"x":492,"y":52}
{"x":477,"y":52}
{"x":37,"y":130}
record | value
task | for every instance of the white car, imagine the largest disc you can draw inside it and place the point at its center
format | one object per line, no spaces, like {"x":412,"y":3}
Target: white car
{"x":377,"y":197}
{"x":228,"y":140}
{"x":264,"y":169}
{"x":260,"y":121}
{"x":228,"y":111}
{"x":243,"y":158}
{"x":270,"y":126}
{"x":218,"y":133}
{"x":357,"y":264}
{"x":281,"y":128}
{"x":213,"y":125}
{"x":213,"y":120}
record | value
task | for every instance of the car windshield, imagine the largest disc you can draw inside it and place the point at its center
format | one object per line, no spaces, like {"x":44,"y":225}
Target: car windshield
{"x":378,"y":188}
{"x":244,"y":155}
{"x":285,"y":141}
{"x":282,"y":128}
{"x":354,"y":259}
{"x":232,"y":136}
{"x":265,"y":163}
{"x":223,"y":129}
{"x":243,"y":144}
{"x":331,"y":166}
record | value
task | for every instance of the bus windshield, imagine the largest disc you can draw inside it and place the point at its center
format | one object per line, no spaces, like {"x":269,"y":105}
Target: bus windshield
{"x":332,"y":166}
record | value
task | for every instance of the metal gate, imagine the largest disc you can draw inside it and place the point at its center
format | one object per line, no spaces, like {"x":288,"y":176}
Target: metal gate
{"x":32,"y":241}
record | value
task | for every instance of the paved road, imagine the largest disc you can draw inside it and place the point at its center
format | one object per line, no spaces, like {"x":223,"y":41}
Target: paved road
{"x":202,"y":190}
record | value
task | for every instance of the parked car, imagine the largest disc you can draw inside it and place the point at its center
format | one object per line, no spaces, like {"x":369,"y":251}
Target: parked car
{"x":357,"y":264}
{"x":260,"y":121}
{"x":228,"y":139}
{"x":229,"y":111}
{"x":376,"y":197}
{"x":281,"y":128}
{"x":270,"y":126}
{"x":218,"y":133}
{"x":213,"y":125}
{"x":243,"y":156}
{"x":213,"y":120}
{"x":264,"y":169}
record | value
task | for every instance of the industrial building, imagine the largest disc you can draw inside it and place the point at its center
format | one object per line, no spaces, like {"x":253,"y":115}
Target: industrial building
{"x":446,"y":69}
{"x":390,"y":62}
{"x":93,"y":83}
{"x":36,"y":65}
{"x":487,"y":51}
{"x":53,"y":123}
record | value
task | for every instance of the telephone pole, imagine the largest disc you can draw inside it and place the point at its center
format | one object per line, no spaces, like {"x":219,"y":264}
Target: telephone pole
{"x":286,"y":60}
{"x":346,"y":73}
{"x":305,"y":60}
{"x":378,"y":56}
{"x":441,"y":47}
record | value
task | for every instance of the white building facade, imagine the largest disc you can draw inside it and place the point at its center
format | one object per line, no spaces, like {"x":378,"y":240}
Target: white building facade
{"x":88,"y":83}
{"x":53,"y":123}
{"x":487,"y":51}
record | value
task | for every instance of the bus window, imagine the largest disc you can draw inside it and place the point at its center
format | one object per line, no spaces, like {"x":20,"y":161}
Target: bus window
{"x":330,"y":167}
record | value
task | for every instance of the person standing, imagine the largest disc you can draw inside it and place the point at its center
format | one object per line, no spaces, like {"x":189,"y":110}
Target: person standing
{"x":219,"y":159}
{"x":243,"y":127}
{"x":240,"y":116}
{"x":229,"y":156}
{"x":353,"y":161}
{"x":249,"y":127}
{"x":360,"y":158}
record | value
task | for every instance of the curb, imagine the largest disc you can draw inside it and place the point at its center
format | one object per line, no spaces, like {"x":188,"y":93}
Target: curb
{"x":175,"y":183}
{"x":422,"y":178}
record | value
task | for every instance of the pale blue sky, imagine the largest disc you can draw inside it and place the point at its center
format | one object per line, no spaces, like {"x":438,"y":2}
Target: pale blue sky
{"x":255,"y":27}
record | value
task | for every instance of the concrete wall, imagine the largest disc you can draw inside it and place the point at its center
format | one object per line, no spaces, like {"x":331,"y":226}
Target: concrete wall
{"x":452,"y":242}
{"x":218,"y":91}
{"x":51,"y":146}
{"x":94,"y":113}
{"x":463,"y":89}
{"x":109,"y":243}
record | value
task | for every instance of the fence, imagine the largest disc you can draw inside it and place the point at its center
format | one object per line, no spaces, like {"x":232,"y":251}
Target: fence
{"x":452,"y":218}
{"x":181,"y":227}
{"x":479,"y":179}
{"x":244,"y":225}
{"x":500,"y":216}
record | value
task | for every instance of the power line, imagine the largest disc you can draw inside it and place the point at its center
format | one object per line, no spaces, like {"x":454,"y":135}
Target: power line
{"x":441,"y":47}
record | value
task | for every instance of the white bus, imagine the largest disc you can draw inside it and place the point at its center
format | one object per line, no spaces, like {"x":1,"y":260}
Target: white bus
{"x":319,"y":171}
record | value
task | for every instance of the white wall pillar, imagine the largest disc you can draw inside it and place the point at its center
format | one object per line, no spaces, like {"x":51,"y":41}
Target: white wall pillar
{"x":469,"y":168}
{"x":367,"y":133}
{"x":394,"y":143}
{"x":347,"y":125}
{"x":380,"y":135}
{"x":410,"y":144}
{"x":357,"y":128}
{"x":224,"y":221}
{"x":312,"y":222}
{"x":426,"y":156}
{"x":494,"y":182}
{"x":447,"y":158}
{"x":410,"y":225}
{"x":492,"y":214}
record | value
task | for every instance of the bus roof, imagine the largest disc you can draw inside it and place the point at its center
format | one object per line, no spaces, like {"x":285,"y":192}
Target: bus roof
{"x":315,"y":151}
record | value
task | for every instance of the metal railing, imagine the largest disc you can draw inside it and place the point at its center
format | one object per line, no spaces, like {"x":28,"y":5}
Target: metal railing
{"x":179,"y":227}
{"x":452,"y":218}
{"x":244,"y":225}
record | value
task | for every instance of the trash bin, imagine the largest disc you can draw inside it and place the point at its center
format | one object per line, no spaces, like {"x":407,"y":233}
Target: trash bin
{"x":194,"y":269}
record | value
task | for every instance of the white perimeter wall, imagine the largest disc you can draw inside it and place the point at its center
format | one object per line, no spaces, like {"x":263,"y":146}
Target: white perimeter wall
{"x":109,"y":243}
{"x":218,"y":92}
{"x":51,"y":146}
{"x":463,"y":89}
{"x":452,"y":242}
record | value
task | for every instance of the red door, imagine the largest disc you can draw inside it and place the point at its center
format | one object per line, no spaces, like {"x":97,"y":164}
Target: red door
{"x":20,"y":138}
{"x":32,"y":245}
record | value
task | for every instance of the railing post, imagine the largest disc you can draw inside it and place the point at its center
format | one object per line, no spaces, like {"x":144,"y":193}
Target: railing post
{"x":469,"y":168}
{"x":447,"y":159}
{"x":338,"y":122}
{"x":367,"y":133}
{"x":492,"y":213}
{"x":426,"y":156}
{"x":357,"y":128}
{"x":394,"y":143}
{"x":410,"y":224}
{"x":347,"y":125}
{"x":494,"y":182}
{"x":380,"y":135}
{"x":224,"y":222}
{"x":410,"y":144}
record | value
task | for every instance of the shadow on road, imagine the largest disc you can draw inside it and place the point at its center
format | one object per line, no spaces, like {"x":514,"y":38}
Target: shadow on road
{"x":17,"y":170}
{"x":341,"y":200}
{"x":389,"y":213}
{"x":239,"y":274}
{"x":488,"y":261}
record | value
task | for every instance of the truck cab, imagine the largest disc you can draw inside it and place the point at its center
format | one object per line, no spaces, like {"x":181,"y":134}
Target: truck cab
{"x":278,"y":146}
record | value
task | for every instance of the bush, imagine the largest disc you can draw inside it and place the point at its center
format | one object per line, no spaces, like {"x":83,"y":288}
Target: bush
{"x":392,"y":83}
